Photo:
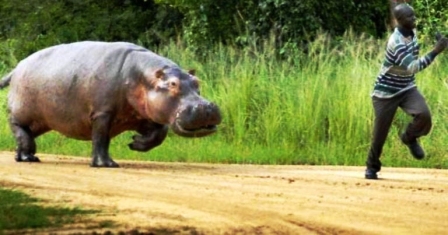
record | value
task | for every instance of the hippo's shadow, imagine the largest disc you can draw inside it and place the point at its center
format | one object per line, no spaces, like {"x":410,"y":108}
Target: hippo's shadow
{"x":166,"y":166}
{"x":132,"y":165}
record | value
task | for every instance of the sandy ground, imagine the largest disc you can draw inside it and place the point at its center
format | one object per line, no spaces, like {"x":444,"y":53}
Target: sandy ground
{"x":183,"y":198}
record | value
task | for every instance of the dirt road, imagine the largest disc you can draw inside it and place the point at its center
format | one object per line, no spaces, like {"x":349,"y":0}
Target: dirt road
{"x":182,"y":198}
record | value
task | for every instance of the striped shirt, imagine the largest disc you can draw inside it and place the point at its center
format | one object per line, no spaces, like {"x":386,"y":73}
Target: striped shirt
{"x":402,"y":62}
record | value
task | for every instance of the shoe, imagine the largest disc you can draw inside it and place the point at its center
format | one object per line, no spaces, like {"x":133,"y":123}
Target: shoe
{"x":371,"y":174}
{"x":414,"y":147}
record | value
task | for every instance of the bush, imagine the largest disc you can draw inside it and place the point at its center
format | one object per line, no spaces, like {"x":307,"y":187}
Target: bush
{"x":289,"y":22}
{"x":42,"y":23}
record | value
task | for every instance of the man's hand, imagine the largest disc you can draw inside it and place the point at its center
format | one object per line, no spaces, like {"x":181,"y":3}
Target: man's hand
{"x":438,"y":36}
{"x":441,"y":44}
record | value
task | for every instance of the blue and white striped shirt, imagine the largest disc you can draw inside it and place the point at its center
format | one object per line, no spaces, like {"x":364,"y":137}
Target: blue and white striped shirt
{"x":402,"y":62}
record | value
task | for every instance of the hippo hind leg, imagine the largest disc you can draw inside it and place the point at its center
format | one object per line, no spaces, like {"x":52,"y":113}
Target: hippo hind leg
{"x":151,"y":136}
{"x":25,"y":139}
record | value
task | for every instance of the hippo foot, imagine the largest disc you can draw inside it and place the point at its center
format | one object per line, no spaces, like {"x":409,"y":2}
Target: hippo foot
{"x":26,"y":158}
{"x":140,"y":143}
{"x":108,"y":163}
{"x":138,"y":146}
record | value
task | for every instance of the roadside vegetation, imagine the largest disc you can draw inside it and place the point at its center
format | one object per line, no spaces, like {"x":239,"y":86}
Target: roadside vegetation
{"x":18,"y":211}
{"x":311,"y":107}
{"x":292,"y":78}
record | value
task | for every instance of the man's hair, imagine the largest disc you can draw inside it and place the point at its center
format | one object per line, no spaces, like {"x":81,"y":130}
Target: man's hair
{"x":398,"y":9}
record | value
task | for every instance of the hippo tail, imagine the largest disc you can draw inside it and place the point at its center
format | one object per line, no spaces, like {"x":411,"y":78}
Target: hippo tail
{"x":6,"y":80}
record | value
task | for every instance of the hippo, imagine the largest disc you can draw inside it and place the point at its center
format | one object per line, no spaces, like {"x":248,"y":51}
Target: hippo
{"x":93,"y":91}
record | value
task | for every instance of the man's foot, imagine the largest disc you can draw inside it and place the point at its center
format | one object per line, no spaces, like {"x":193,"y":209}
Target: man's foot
{"x":20,"y":157}
{"x":414,"y":147}
{"x":371,"y":174}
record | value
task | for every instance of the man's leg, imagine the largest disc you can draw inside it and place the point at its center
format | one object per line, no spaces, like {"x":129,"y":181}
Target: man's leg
{"x":384,"y":113}
{"x":415,"y":105}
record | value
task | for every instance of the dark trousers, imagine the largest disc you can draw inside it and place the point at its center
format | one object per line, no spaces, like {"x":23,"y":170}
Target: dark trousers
{"x":411,"y":102}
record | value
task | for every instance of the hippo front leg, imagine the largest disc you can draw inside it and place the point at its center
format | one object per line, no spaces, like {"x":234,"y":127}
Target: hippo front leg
{"x":151,"y":136}
{"x":100,"y":141}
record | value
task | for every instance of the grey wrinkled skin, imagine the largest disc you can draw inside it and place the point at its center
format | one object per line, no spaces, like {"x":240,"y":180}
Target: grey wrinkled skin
{"x":97,"y":90}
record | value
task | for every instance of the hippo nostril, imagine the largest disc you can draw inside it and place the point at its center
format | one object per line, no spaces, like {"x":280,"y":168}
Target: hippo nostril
{"x":188,"y":110}
{"x":195,"y":108}
{"x":209,"y":111}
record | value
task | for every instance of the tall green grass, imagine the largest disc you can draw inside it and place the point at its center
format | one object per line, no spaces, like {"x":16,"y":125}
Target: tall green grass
{"x":309,"y":108}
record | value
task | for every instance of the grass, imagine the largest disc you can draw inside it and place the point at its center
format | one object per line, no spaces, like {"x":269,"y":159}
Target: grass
{"x":20,"y":211}
{"x":310,"y":108}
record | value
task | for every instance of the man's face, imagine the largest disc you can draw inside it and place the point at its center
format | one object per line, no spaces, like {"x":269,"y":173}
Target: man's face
{"x":406,"y":18}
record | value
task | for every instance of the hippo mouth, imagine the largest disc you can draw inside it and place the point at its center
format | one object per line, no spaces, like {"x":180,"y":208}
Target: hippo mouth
{"x":197,"y":120}
{"x":199,"y":131}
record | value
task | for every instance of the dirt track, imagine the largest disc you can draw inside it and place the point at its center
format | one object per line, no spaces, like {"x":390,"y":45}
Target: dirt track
{"x":181,"y":198}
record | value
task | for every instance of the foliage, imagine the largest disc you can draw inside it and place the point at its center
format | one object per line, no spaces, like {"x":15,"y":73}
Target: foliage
{"x":291,"y":23}
{"x":432,"y":16}
{"x":42,"y":23}
{"x":309,"y":108}
{"x":200,"y":23}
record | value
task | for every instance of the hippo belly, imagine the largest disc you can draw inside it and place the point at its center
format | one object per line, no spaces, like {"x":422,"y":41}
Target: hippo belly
{"x":44,"y":112}
{"x":67,"y":113}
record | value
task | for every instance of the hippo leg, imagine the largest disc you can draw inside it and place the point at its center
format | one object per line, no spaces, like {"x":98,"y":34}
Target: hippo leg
{"x":151,"y":136}
{"x":26,"y":146}
{"x":100,"y":141}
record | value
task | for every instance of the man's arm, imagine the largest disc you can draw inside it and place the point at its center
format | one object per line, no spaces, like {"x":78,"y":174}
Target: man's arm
{"x":407,"y":60}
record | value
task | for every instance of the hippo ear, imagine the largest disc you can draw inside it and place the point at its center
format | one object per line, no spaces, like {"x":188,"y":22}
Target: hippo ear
{"x":159,"y":74}
{"x":192,"y":72}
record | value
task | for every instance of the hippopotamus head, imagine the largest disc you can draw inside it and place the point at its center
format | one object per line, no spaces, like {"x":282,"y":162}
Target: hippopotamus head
{"x":173,"y":98}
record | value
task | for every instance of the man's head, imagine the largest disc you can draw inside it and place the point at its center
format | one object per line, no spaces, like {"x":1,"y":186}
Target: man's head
{"x":405,"y":16}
